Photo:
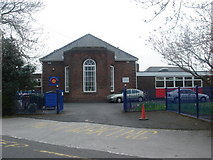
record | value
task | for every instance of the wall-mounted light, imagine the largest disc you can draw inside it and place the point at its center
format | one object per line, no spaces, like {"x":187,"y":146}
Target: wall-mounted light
{"x":53,"y":69}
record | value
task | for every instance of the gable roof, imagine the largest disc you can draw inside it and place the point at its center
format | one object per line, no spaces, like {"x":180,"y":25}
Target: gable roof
{"x":88,"y":41}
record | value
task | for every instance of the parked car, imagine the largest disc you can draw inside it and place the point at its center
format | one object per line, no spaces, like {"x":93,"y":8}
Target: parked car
{"x":133,"y":94}
{"x":186,"y":95}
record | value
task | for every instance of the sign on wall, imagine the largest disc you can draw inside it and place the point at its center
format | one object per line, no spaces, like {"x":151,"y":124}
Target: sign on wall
{"x":53,"y":81}
{"x":125,"y":79}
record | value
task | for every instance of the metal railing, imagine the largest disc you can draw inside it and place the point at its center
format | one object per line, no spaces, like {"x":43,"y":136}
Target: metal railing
{"x":29,"y":102}
{"x":190,"y":102}
{"x":196,"y":102}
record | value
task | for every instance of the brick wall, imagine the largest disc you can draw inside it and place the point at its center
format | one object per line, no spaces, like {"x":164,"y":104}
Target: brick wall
{"x":147,"y":84}
{"x":124,"y":69}
{"x":52,"y":69}
{"x":74,"y":59}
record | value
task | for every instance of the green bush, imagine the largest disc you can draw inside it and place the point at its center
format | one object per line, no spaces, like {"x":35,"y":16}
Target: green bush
{"x":149,"y":106}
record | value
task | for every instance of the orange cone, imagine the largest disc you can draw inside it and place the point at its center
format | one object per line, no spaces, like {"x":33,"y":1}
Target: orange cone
{"x":143,"y":114}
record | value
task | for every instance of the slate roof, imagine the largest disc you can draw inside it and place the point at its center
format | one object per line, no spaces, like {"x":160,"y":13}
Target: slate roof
{"x":88,"y":41}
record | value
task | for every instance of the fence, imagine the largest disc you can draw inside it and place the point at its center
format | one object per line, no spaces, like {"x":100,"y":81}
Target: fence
{"x":184,"y":101}
{"x":29,"y":102}
{"x":190,"y":102}
{"x":133,"y":101}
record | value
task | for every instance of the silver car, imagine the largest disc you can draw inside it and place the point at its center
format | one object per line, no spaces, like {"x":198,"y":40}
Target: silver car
{"x":132,"y":94}
{"x":186,"y":95}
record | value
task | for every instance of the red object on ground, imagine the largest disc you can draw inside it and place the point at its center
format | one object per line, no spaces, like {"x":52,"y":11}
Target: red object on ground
{"x":143,"y":114}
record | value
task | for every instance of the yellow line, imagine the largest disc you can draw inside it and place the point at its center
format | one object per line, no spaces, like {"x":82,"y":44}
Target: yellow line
{"x":5,"y":144}
{"x":117,"y":131}
{"x":59,"y":154}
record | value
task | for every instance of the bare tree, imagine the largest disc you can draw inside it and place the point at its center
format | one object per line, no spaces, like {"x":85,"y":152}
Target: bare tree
{"x":184,"y":40}
{"x":16,"y":18}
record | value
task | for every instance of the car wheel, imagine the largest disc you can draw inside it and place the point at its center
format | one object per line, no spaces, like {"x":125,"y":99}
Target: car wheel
{"x":203,"y":99}
{"x":140,"y":99}
{"x":119,"y":100}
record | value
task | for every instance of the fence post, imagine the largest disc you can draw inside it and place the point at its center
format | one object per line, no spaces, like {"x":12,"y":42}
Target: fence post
{"x":179,"y":107}
{"x":125,"y":99}
{"x":166,"y":99}
{"x":57,"y":101}
{"x":197,"y":102}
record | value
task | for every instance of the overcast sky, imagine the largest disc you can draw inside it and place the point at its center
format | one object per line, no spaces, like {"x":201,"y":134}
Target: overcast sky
{"x":118,"y":22}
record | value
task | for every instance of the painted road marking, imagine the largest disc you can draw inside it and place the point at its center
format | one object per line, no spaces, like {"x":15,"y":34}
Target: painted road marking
{"x":6,"y":144}
{"x":97,"y":130}
{"x":115,"y":132}
{"x":59,"y":154}
{"x":43,"y":124}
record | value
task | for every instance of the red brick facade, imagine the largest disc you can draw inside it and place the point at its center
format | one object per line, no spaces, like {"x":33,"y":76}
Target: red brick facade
{"x":125,"y":69}
{"x":52,"y":69}
{"x":75,"y":58}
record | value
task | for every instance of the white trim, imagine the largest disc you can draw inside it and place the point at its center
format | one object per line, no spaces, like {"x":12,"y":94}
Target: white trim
{"x":136,"y":69}
{"x":84,"y":76}
{"x":112,"y":79}
{"x":183,"y":80}
{"x":66,"y":79}
{"x":38,"y":80}
{"x":170,"y":74}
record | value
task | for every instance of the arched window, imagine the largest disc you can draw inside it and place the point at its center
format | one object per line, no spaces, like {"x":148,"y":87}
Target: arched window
{"x":89,"y":76}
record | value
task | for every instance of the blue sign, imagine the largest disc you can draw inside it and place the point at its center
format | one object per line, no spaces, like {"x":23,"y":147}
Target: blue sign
{"x":53,"y":81}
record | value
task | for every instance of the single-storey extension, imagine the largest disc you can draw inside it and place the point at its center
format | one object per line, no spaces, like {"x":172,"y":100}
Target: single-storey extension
{"x":155,"y":80}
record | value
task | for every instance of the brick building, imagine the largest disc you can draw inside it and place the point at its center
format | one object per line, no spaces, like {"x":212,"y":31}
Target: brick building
{"x":155,"y":80}
{"x":89,"y":69}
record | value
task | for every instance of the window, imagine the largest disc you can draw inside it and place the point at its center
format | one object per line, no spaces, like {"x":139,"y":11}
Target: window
{"x":169,"y":82}
{"x":178,"y":81}
{"x":38,"y":82}
{"x":89,"y":76}
{"x":173,"y":82}
{"x":112,"y":87}
{"x":66,"y":79}
{"x":197,"y":82}
{"x":188,"y":82}
{"x":159,"y":82}
{"x":128,"y":91}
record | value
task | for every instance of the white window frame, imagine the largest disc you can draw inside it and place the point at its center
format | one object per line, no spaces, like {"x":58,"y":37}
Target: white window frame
{"x":112,"y":79}
{"x":38,"y":80}
{"x":164,"y":80}
{"x":66,"y":79}
{"x":91,"y":63}
{"x":170,"y":79}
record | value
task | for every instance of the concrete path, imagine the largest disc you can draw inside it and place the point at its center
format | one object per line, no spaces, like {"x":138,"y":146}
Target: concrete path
{"x":140,"y":142}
